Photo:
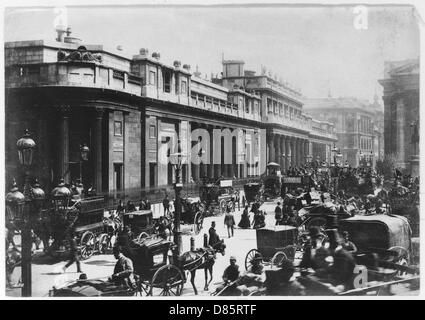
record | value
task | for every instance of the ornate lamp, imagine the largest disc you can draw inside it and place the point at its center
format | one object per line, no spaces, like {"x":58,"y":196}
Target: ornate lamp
{"x":25,"y":147}
{"x":15,"y":201}
{"x":61,"y":196}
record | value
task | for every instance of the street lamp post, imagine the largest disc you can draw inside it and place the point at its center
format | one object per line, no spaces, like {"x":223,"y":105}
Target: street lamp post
{"x":25,"y":207}
{"x":176,"y":160}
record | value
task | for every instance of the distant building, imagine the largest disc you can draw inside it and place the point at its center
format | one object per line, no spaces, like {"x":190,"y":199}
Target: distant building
{"x":293,"y":137}
{"x":401,"y":104}
{"x":358,"y":127}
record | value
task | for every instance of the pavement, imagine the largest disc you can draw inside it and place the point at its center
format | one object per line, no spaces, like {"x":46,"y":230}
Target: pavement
{"x":47,"y":271}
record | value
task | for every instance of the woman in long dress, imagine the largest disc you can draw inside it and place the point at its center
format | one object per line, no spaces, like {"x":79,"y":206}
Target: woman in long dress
{"x":245,"y":223}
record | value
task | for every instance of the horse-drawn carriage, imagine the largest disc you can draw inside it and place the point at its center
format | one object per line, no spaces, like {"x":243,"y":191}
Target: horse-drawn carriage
{"x":158,"y":271}
{"x":85,"y":217}
{"x":217,"y":196}
{"x":273,"y":245}
{"x":253,"y":192}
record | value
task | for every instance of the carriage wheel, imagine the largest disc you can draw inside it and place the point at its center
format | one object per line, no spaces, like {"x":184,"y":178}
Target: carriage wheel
{"x":102,"y":244}
{"x":278,"y":258}
{"x":198,"y":222}
{"x":316,"y":222}
{"x":250,"y":257}
{"x":167,"y":281}
{"x":142,"y":237}
{"x":402,"y":258}
{"x":87,"y":244}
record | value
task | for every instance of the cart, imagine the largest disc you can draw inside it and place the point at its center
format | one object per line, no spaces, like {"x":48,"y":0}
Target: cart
{"x":141,"y":223}
{"x":253,"y":192}
{"x":193,"y":212}
{"x":86,"y":218}
{"x":273,"y":245}
{"x":217,"y":196}
{"x":388,"y":237}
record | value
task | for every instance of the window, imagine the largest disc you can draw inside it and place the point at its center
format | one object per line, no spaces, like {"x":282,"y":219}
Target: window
{"x":247,"y":105}
{"x":275,"y":107}
{"x":152,"y":77}
{"x":269,"y":106}
{"x":118,"y":128}
{"x":167,"y":80}
{"x":184,"y":86}
{"x":286,"y":111}
{"x":280,"y":109}
{"x":152,"y":131}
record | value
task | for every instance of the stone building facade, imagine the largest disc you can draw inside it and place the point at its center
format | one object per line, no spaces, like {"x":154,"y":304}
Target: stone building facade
{"x":134,"y":112}
{"x":401,"y":103}
{"x":358,"y":127}
{"x":293,"y":137}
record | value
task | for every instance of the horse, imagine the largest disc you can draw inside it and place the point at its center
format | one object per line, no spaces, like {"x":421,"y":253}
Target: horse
{"x":202,"y":258}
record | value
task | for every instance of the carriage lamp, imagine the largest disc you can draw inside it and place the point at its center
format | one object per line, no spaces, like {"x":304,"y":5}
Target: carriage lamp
{"x":24,"y":207}
{"x":61,"y":196}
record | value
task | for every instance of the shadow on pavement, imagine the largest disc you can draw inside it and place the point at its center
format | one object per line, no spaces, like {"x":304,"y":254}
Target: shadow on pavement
{"x":103,"y":263}
{"x":44,"y":258}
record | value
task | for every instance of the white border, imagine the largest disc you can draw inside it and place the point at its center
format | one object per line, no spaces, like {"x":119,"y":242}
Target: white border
{"x":420,"y":7}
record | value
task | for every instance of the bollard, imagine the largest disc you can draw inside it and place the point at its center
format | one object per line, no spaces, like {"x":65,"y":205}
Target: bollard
{"x":192,"y":244}
{"x":205,"y":240}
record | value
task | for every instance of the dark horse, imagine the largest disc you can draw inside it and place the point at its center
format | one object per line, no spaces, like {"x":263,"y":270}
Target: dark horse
{"x":202,"y":258}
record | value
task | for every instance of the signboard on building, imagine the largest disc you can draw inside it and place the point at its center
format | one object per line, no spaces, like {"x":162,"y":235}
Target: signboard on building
{"x":225,"y":183}
{"x":292,"y":180}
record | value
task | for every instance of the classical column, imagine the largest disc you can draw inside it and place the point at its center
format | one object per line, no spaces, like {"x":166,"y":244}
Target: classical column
{"x":270,"y":142}
{"x":293,"y":152}
{"x":282,"y":151}
{"x":210,"y":147}
{"x":63,"y":149}
{"x":287,"y":152}
{"x":97,"y":149}
{"x":400,"y":110}
{"x":217,"y":166}
{"x":297,"y":152}
{"x":278,"y":154}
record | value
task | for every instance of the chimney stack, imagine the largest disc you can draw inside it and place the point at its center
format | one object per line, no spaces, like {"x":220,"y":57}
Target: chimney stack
{"x":177,"y":64}
{"x":186,"y":67}
{"x":60,"y":31}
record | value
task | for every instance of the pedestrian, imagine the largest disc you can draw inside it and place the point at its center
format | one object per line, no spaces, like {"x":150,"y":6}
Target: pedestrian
{"x":142,"y":205}
{"x":278,"y":214}
{"x":73,"y":253}
{"x":148,"y":205}
{"x":166,"y":205}
{"x":229,"y":221}
{"x":124,"y":239}
{"x":245,"y":223}
{"x":120,"y":208}
{"x":123,"y":270}
{"x":214,"y":238}
{"x":130,"y":206}
{"x":347,"y":244}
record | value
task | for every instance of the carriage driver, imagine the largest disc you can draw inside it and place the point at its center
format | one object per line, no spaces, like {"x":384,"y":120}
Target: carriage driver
{"x":123,"y":271}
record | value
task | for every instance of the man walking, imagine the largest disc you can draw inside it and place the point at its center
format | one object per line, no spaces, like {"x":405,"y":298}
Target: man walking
{"x":229,"y":221}
{"x":278,"y":214}
{"x":166,"y":204}
{"x":73,"y":253}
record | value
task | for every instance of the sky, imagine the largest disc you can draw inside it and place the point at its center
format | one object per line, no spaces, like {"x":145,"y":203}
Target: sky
{"x":315,"y":49}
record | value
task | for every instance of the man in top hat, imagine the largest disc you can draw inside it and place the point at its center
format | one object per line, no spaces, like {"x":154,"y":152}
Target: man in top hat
{"x":214,"y":238}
